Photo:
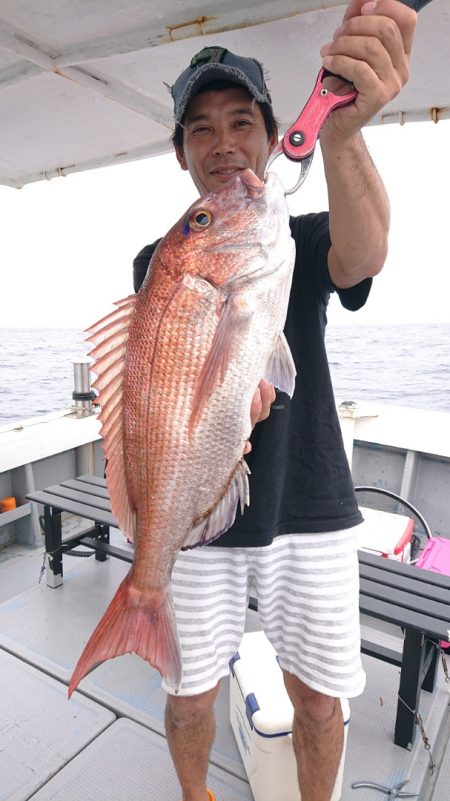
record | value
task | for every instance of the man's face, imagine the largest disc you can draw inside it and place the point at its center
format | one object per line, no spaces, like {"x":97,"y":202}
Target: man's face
{"x":224,"y":133}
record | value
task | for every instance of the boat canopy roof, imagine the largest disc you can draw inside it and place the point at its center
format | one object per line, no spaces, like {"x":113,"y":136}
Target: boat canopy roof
{"x":83,"y":83}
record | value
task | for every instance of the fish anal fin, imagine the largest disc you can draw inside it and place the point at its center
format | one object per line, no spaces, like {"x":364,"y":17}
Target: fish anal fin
{"x":280,"y":368}
{"x":222,"y":516}
{"x":233,"y":319}
{"x":134,"y":623}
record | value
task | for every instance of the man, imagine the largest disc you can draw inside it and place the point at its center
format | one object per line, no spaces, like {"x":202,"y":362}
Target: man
{"x":297,"y":540}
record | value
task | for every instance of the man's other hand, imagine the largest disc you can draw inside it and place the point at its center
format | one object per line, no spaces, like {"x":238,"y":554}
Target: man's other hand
{"x":260,"y":407}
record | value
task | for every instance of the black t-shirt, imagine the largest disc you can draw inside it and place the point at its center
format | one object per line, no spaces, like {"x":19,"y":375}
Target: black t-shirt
{"x":300,"y":479}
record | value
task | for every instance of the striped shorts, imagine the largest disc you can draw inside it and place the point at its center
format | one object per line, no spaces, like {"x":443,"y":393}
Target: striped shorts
{"x":307,"y":586}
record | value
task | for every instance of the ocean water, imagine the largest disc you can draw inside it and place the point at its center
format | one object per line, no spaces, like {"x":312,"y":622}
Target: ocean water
{"x":36,"y":370}
{"x":403,"y":365}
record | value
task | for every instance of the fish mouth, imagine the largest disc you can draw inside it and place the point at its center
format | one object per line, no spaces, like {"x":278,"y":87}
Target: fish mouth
{"x":254,"y":186}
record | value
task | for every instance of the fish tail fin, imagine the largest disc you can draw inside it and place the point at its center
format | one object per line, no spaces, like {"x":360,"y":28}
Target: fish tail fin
{"x":134,"y":622}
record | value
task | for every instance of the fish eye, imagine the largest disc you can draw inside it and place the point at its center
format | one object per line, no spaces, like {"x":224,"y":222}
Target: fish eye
{"x":199,"y":220}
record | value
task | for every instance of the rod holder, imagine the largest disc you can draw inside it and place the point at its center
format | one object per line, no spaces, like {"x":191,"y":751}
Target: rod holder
{"x":82,"y":394}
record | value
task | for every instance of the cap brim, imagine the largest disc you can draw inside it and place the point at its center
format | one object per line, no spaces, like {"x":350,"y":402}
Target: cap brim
{"x":213,"y":72}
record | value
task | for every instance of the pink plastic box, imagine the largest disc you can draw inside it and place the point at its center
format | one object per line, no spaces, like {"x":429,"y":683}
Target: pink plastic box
{"x":436,"y":557}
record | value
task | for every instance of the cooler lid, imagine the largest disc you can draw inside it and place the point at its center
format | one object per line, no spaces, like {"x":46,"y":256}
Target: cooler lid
{"x":384,"y":532}
{"x":260,"y":679}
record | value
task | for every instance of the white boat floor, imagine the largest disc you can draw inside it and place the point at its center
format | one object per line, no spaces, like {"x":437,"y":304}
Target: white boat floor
{"x":39,"y":731}
{"x":19,"y":569}
{"x":138,"y":762}
{"x":440,"y":788}
{"x":48,"y":628}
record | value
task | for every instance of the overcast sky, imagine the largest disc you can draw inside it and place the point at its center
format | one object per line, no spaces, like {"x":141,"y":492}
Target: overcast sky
{"x":67,"y":245}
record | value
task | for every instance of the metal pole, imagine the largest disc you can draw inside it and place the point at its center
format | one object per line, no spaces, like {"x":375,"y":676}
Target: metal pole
{"x":348,"y":412}
{"x":82,"y":394}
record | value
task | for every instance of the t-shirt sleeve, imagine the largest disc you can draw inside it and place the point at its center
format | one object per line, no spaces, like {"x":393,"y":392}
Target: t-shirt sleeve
{"x":141,"y":263}
{"x":354,"y":297}
{"x":311,"y":233}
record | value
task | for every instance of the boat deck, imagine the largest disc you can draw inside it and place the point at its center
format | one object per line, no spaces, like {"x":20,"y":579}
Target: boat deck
{"x":108,"y":743}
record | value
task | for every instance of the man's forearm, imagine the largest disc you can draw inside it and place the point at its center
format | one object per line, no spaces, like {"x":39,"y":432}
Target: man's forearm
{"x":359,"y":212}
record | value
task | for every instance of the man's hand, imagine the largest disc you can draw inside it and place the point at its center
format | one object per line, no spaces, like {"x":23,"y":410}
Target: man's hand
{"x":371,"y":49}
{"x":260,"y":408}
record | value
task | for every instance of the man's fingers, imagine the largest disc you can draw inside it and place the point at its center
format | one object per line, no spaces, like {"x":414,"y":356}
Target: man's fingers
{"x":367,"y":40}
{"x":370,"y":32}
{"x":353,"y":9}
{"x":268,"y":395}
{"x":262,"y":400}
{"x":256,"y":407}
{"x":352,"y":55}
{"x":404,"y":17}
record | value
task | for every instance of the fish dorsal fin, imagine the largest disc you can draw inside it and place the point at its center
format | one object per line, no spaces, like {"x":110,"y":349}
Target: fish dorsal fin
{"x":110,"y":336}
{"x":280,"y":368}
{"x":223,"y":514}
{"x":233,"y":318}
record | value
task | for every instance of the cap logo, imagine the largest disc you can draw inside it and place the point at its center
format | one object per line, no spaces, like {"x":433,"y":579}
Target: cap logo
{"x":209,"y":55}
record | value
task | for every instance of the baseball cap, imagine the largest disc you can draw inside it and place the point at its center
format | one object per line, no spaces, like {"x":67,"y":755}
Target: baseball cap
{"x":217,"y":63}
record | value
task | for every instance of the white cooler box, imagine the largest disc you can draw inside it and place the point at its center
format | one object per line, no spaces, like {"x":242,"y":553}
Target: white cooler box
{"x":261,"y":716}
{"x":386,"y":534}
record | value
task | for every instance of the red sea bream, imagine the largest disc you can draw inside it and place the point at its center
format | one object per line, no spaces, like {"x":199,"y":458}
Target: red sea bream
{"x":177,"y":367}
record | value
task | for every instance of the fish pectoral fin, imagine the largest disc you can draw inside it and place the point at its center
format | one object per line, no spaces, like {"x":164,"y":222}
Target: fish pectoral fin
{"x":219,"y":520}
{"x":133,"y":623}
{"x":280,"y":368}
{"x":233,"y":321}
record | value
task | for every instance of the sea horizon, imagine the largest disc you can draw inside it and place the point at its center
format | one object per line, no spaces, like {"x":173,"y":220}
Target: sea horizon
{"x":404,"y":364}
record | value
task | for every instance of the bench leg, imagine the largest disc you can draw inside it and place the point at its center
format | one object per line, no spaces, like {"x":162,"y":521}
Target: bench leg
{"x":53,"y":552}
{"x":103,"y":536}
{"x":409,"y":690}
